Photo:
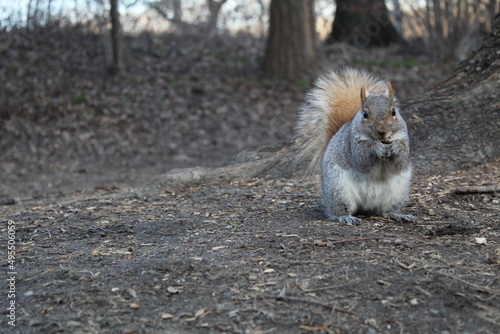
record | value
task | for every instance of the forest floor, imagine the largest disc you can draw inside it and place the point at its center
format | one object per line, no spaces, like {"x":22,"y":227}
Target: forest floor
{"x":258,"y":256}
{"x":67,"y":126}
{"x":253,"y":256}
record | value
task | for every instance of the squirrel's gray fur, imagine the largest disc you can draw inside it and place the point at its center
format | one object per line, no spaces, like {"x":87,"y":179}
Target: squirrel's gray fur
{"x":365,"y":166}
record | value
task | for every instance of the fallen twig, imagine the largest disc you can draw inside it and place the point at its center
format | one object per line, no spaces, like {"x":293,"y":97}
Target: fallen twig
{"x":474,"y":190}
{"x":286,"y":248}
{"x":325,"y":305}
{"x":479,"y":287}
{"x":331,"y":243}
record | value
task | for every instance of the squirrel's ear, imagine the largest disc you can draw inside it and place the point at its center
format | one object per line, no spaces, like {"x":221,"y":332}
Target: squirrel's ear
{"x":363,"y":95}
{"x":390,"y":92}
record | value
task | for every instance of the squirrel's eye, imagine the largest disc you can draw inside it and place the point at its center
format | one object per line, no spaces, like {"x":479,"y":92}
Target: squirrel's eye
{"x":393,"y":112}
{"x":365,"y":114}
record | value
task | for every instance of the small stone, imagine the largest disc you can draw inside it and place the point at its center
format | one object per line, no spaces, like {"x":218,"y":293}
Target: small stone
{"x":481,"y":241}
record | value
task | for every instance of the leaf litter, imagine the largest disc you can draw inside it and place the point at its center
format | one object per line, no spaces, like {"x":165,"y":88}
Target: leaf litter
{"x":253,"y":256}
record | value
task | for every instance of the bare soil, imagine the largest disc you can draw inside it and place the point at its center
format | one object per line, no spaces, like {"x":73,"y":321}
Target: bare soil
{"x":258,"y":256}
{"x":253,"y":256}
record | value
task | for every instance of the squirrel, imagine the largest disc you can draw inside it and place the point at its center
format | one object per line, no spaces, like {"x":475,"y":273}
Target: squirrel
{"x":354,"y":133}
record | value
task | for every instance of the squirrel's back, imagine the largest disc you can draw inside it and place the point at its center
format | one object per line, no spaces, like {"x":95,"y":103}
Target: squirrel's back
{"x":333,"y":101}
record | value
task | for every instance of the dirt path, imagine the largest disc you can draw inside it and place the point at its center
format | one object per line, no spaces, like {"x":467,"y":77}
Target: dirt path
{"x":257,"y":256}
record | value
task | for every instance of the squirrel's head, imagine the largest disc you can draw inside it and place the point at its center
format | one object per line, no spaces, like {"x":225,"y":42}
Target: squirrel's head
{"x":379,"y":116}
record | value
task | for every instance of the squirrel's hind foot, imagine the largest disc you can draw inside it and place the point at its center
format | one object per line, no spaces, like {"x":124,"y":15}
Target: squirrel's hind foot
{"x":351,"y":220}
{"x":401,"y":218}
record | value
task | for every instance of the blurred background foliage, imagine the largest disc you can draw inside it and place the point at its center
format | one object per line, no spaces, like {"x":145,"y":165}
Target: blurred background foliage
{"x":451,"y":28}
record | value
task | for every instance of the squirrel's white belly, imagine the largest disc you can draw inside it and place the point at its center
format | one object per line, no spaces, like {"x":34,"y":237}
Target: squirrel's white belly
{"x":377,"y":192}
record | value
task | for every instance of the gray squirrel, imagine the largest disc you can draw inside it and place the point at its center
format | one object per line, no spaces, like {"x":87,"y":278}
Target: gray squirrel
{"x":353,"y":132}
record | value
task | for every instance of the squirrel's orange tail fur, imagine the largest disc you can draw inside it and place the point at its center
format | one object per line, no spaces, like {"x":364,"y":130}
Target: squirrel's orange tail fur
{"x":334,"y":100}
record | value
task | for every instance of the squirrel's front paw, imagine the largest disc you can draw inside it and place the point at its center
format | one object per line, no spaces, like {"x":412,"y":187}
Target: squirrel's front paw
{"x":398,"y":148}
{"x":382,"y":151}
{"x":394,"y":149}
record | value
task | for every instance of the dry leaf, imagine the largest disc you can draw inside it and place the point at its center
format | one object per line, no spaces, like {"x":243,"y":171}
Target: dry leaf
{"x":95,"y":252}
{"x":132,"y":292}
{"x":313,"y":329}
{"x":493,"y":258}
{"x":201,"y":312}
{"x":102,"y":222}
{"x":174,"y":289}
{"x":167,"y":316}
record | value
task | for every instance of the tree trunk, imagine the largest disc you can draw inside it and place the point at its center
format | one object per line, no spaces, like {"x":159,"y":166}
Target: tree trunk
{"x":116,"y":65}
{"x":398,"y":17}
{"x":177,"y":19}
{"x":170,"y":11}
{"x":214,"y":10}
{"x":363,"y":23}
{"x":291,"y":48}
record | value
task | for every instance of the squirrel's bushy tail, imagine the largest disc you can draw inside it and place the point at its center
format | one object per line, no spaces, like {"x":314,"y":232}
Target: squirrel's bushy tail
{"x":334,"y":100}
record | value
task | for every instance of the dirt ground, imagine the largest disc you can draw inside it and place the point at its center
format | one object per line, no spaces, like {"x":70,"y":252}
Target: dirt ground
{"x":253,"y":256}
{"x":257,"y":256}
